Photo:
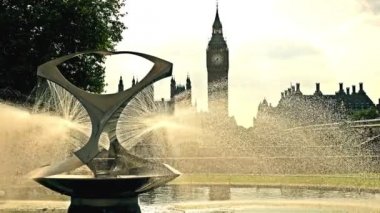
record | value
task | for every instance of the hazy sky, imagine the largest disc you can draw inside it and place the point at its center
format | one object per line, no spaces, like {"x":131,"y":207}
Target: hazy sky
{"x":272,"y":44}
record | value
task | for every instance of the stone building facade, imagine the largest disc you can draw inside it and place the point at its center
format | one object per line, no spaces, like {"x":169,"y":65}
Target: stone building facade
{"x":300,"y":109}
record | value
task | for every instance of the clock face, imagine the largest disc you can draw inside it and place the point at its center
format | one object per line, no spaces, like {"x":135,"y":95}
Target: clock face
{"x":217,"y":59}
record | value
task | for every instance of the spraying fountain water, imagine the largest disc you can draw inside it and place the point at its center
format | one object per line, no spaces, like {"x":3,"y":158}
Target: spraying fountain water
{"x":205,"y":148}
{"x":213,"y":143}
{"x":207,"y":144}
{"x":118,"y":176}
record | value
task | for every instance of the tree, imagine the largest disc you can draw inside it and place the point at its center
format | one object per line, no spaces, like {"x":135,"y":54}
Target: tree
{"x":35,"y":31}
{"x":363,"y":114}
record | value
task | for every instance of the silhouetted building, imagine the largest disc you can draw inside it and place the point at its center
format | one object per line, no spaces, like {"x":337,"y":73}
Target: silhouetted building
{"x":121,"y":85}
{"x":176,"y":89}
{"x":217,"y":68}
{"x":133,"y":81}
{"x":298,"y":108}
{"x":178,"y":93}
{"x":188,"y":83}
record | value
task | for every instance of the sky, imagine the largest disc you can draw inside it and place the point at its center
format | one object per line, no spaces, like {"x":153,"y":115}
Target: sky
{"x":272,"y":45}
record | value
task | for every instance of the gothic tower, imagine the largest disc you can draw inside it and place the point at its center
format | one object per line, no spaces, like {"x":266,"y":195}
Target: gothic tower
{"x":188,"y":83}
{"x":217,"y":68}
{"x":121,"y":85}
{"x":133,"y":81}
{"x":173,"y":87}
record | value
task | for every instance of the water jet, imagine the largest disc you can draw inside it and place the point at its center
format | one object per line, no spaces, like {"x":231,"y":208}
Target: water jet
{"x":118,"y":176}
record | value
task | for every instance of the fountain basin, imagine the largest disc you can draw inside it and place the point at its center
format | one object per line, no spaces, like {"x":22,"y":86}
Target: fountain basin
{"x":105,"y":194}
{"x":86,"y":186}
{"x":119,"y":175}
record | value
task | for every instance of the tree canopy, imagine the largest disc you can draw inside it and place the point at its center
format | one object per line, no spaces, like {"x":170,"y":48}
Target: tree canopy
{"x":35,"y":31}
{"x":364,"y":114}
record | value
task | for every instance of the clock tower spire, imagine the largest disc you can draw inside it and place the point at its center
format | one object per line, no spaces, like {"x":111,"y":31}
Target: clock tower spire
{"x":217,"y":68}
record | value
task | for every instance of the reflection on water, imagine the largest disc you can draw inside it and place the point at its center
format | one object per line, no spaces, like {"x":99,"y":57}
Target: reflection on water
{"x":222,"y":192}
{"x":182,"y":198}
{"x":175,"y":194}
{"x":222,"y":199}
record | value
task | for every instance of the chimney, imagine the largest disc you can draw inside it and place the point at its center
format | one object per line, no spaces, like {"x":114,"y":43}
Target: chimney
{"x":289,"y":91}
{"x":341,"y":87}
{"x":353,"y":89}
{"x":286,"y":93}
{"x":347,"y":90}
{"x":318,"y":90}
{"x":282,"y":95}
{"x":297,"y":87}
{"x":361,"y":87}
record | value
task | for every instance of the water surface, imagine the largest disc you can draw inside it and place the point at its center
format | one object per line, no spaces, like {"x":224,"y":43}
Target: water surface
{"x":223,"y":199}
{"x":220,"y":199}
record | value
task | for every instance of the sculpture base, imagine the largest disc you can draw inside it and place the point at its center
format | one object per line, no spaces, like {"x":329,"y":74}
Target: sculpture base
{"x":104,"y":205}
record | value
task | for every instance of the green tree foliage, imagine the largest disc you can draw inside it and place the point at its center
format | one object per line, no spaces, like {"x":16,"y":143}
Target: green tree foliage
{"x":370,"y":113}
{"x":35,"y":31}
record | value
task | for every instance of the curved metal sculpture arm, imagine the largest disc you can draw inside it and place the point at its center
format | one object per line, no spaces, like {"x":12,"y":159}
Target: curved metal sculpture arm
{"x":101,"y":107}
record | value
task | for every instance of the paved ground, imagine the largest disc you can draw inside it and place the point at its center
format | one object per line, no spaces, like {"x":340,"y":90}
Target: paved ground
{"x":34,"y":206}
{"x":244,"y":206}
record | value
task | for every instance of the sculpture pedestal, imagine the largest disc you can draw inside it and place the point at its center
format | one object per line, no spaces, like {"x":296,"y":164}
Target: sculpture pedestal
{"x":104,"y":195}
{"x":104,"y":205}
{"x":119,"y":175}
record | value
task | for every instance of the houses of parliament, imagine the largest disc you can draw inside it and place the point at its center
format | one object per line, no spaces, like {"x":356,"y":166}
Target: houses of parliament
{"x":213,"y":142}
{"x":294,"y":105}
{"x":217,"y":59}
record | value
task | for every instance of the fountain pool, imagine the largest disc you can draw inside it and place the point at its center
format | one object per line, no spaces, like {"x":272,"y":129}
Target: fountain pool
{"x":222,"y":198}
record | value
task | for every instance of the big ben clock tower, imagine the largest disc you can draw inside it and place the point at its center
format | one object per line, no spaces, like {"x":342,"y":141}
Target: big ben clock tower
{"x":217,"y":69}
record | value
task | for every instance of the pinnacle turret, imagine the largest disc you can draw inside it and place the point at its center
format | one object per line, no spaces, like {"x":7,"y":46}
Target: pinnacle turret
{"x":121,"y":85}
{"x":133,"y":81}
{"x":217,"y":24}
{"x":188,"y":82}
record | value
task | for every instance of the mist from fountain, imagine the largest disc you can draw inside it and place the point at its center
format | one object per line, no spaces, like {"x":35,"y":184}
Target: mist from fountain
{"x":55,"y":100}
{"x":54,"y":126}
{"x":131,"y":128}
{"x":192,"y":141}
{"x":212,"y":142}
{"x":145,"y":123}
{"x":58,"y":124}
{"x":28,"y":140}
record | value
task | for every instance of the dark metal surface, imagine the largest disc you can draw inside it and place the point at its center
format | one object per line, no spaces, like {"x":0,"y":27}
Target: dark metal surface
{"x":114,"y":205}
{"x":101,"y":108}
{"x":119,"y":175}
{"x":77,"y":186}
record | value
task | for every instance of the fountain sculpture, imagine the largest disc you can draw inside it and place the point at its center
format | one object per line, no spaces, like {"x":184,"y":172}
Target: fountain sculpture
{"x":118,"y":175}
